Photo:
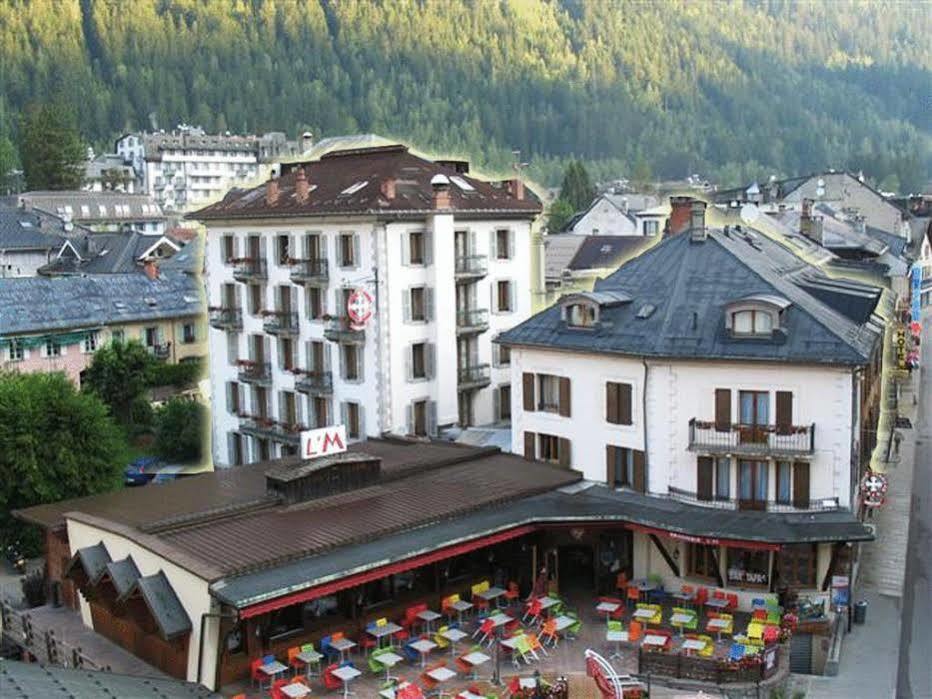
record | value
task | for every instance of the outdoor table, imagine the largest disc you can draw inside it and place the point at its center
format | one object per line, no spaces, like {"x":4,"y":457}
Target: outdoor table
{"x":718,"y":625}
{"x":346,"y":673}
{"x":389,"y":660}
{"x":500,"y":619}
{"x":493,"y":593}
{"x":527,"y":682}
{"x":644,"y":614}
{"x":716,"y":603}
{"x":386,"y":630}
{"x":693,"y":644}
{"x":466,"y":694}
{"x":454,"y":636}
{"x":273,"y":668}
{"x":423,"y":646}
{"x":652,"y":639}
{"x":616,"y":637}
{"x":547,"y":602}
{"x":295,"y":690}
{"x":679,"y":620}
{"x":476,"y":659}
{"x":342,"y":645}
{"x":428,"y":616}
{"x":644,"y":585}
{"x":511,"y":642}
{"x":564,"y":622}
{"x":441,"y":674}
{"x":461,"y":606}
{"x":310,"y":657}
{"x":686,"y":598}
{"x":607,"y":608}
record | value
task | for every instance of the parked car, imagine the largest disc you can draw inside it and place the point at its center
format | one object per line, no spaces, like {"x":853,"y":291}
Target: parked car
{"x":152,"y":469}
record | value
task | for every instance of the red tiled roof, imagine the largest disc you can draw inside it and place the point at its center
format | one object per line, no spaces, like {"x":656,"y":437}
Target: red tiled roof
{"x":354,"y":182}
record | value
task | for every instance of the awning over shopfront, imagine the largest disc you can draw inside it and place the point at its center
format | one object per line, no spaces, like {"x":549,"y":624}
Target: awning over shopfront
{"x":316,"y":576}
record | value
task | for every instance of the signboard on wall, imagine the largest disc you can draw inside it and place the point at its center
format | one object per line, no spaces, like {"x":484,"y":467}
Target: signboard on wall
{"x":739,"y":576}
{"x":359,"y":307}
{"x":324,"y":441}
{"x":900,"y":347}
{"x":916,"y":294}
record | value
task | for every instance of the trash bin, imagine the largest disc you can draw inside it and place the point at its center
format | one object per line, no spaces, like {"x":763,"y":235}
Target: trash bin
{"x":860,"y":612}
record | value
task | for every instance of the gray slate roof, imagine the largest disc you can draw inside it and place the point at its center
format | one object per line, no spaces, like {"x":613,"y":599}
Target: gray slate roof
{"x":690,"y":284}
{"x":595,"y":503}
{"x":28,"y":230}
{"x":162,"y":601}
{"x":607,"y":251}
{"x":31,"y":681}
{"x":93,"y":559}
{"x":42,"y":304}
{"x":123,"y":574}
{"x":559,"y":249}
{"x":141,"y":207}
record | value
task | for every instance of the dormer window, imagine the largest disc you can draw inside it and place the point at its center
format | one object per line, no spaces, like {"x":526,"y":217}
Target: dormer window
{"x":581,"y":315}
{"x":584,"y":310}
{"x":758,"y":315}
{"x":752,"y":322}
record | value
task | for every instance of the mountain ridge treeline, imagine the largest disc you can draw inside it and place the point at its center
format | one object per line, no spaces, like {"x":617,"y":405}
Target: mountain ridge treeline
{"x":731,"y":90}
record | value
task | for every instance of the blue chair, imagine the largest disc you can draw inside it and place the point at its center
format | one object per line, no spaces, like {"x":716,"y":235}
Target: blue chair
{"x":329,"y":651}
{"x":736,"y":652}
{"x":266,"y":659}
{"x":758,"y":603}
{"x":411,"y":653}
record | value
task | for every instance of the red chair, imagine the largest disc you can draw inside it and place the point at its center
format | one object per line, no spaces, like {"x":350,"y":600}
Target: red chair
{"x":719,"y":594}
{"x":485,"y":631}
{"x":276,"y":691}
{"x":621,"y":582}
{"x":514,"y":686}
{"x":771,"y":634}
{"x":258,"y":677}
{"x":331,"y":681}
{"x":634,"y":594}
{"x":759,"y":615}
{"x":430,"y":684}
{"x":512,"y":593}
{"x":702,"y":596}
{"x":732,"y":602}
{"x":532,"y":611}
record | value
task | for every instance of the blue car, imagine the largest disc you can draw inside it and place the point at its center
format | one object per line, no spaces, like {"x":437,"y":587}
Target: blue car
{"x":142,"y":470}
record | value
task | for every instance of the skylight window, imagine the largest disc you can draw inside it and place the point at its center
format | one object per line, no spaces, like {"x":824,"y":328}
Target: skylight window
{"x":646,"y":311}
{"x":462,"y":184}
{"x":352,"y":189}
{"x":26,"y":224}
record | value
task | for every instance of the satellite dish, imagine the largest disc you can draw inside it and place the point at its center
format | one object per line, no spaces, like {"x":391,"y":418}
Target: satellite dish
{"x":820,"y":191}
{"x":820,"y":182}
{"x":749,"y":213}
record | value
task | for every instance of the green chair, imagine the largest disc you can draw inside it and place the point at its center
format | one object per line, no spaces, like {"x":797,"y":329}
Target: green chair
{"x":572,"y":631}
{"x":615,"y":626}
{"x":374,"y":664}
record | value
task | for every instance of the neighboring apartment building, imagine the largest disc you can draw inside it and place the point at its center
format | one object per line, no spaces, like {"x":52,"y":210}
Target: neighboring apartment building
{"x":362,"y":288}
{"x":29,"y":240}
{"x":56,"y":324}
{"x":101,"y":212}
{"x":109,"y":172}
{"x":721,"y":388}
{"x":187,"y":168}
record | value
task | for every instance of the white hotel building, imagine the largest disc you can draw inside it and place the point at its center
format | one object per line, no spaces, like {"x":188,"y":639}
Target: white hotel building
{"x":441,"y":259}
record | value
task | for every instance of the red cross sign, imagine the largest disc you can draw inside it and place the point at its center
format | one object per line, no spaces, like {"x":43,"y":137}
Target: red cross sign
{"x":359,"y":308}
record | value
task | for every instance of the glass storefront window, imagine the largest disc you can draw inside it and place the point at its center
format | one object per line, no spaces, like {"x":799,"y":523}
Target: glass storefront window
{"x":748,"y":567}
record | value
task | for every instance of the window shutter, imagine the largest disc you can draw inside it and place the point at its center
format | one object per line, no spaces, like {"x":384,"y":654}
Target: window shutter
{"x":361,"y":413}
{"x":409,"y":363}
{"x":327,"y":364}
{"x":704,"y":477}
{"x":610,"y":465}
{"x":428,"y":304}
{"x":512,"y":296}
{"x":640,"y":473}
{"x":428,"y":241}
{"x":266,"y":349}
{"x":527,"y":380}
{"x":429,"y":360}
{"x":356,"y":249}
{"x":611,"y":403}
{"x":624,"y":408}
{"x":530,"y":440}
{"x":496,"y":405}
{"x":493,"y":245}
{"x":801,"y":484}
{"x":299,"y":409}
{"x":282,"y":412}
{"x":360,"y":364}
{"x":343,"y":414}
{"x":565,"y":396}
{"x":432,"y":418}
{"x":565,"y":449}
{"x":723,"y":409}
{"x":405,"y":249}
{"x":511,"y":245}
{"x":406,"y":305}
{"x":230,"y":407}
{"x":409,"y":418}
{"x":784,"y":418}
{"x":493,"y":297}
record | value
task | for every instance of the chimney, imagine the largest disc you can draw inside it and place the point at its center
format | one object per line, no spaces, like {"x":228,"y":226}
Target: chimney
{"x":697,"y":229}
{"x":151,"y":269}
{"x":860,"y":222}
{"x":807,"y":208}
{"x":680,"y":214}
{"x":307,"y":140}
{"x":301,"y":186}
{"x":515,"y":188}
{"x":388,"y":188}
{"x":810,"y":226}
{"x":271,"y":191}
{"x":624,"y":204}
{"x":441,"y":192}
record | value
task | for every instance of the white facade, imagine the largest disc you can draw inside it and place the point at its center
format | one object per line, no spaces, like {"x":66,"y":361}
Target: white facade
{"x":22,"y":263}
{"x":460,"y":276}
{"x":604,"y":217}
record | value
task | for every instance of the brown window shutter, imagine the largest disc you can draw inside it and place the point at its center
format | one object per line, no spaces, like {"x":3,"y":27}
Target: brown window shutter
{"x":640,"y":475}
{"x":704,"y":473}
{"x":624,"y":407}
{"x":784,"y":419}
{"x":528,"y":390}
{"x":565,"y":397}
{"x":565,"y":449}
{"x":801,"y":484}
{"x":610,"y":465}
{"x":529,"y":443}
{"x":723,"y":409}
{"x":611,"y":402}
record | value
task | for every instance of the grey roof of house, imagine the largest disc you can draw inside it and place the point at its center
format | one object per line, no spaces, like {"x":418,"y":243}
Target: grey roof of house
{"x":189,"y":259}
{"x":608,"y":251}
{"x":95,"y":169}
{"x":20,"y":680}
{"x":559,"y":249}
{"x":164,"y":604}
{"x":896,"y":243}
{"x":635,"y":201}
{"x":593,"y":503}
{"x":104,"y":253}
{"x":123,"y":574}
{"x":690,"y":284}
{"x":27,"y":230}
{"x":42,"y":304}
{"x":93,"y":559}
{"x":54,"y":202}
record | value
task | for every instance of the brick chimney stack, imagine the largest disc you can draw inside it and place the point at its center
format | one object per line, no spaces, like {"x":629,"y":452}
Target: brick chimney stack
{"x":810,"y":226}
{"x":680,"y":215}
{"x":271,"y":190}
{"x":441,"y":192}
{"x":301,"y":186}
{"x":388,"y":188}
{"x":515,"y":188}
{"x":151,"y":269}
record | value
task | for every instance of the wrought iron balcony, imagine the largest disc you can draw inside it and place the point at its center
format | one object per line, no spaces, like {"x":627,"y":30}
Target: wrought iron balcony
{"x":282,"y":323}
{"x":226,"y":318}
{"x":254,"y":372}
{"x":475,"y":320}
{"x":266,"y":428}
{"x":250,"y":269}
{"x":751,"y":440}
{"x":340,"y":329}
{"x":309,"y":271}
{"x":313,"y":382}
{"x":472,"y":377}
{"x":468,"y":267}
{"x":160,"y":351}
{"x":812,"y":504}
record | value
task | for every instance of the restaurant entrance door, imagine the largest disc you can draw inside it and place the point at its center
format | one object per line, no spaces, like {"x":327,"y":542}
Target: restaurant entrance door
{"x":576,"y":567}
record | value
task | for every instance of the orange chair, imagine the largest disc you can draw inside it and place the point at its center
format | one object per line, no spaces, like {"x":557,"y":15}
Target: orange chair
{"x":634,"y":595}
{"x":702,"y":596}
{"x":512,"y":593}
{"x":238,"y":696}
{"x":635,"y":630}
{"x":293,"y":662}
{"x":719,"y":594}
{"x":548,"y":631}
{"x":759,"y":615}
{"x":621,"y":582}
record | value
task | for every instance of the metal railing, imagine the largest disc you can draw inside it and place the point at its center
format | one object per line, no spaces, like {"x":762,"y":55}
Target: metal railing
{"x":266,"y":428}
{"x":733,"y":503}
{"x":697,"y":668}
{"x":249,"y":269}
{"x":309,"y":271}
{"x":738,"y":438}
{"x":225,"y":318}
{"x":473,"y":320}
{"x":251,"y":371}
{"x":160,"y":351}
{"x":315,"y":382}
{"x":471,"y":266}
{"x":280,"y":322}
{"x":340,"y":329}
{"x":474,"y":376}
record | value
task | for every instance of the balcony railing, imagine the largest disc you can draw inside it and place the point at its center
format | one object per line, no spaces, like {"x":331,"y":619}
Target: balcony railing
{"x":752,"y":440}
{"x":283,"y":323}
{"x":313,"y":382}
{"x":475,"y":320}
{"x":160,"y":350}
{"x":470,"y":266}
{"x":732,"y":503}
{"x":472,"y":377}
{"x":251,"y":371}
{"x":226,"y":318}
{"x":309,"y":271}
{"x":250,"y":269}
{"x":340,"y":329}
{"x":266,"y":428}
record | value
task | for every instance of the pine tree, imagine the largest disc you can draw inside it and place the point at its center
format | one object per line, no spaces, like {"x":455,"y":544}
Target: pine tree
{"x":51,"y":149}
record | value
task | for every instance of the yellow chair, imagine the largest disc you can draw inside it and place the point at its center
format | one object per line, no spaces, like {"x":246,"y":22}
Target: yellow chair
{"x":441,"y":640}
{"x":657,"y":618}
{"x":709,"y":647}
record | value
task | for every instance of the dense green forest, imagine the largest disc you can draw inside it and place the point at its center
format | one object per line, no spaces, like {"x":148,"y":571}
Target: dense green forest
{"x":730,"y":90}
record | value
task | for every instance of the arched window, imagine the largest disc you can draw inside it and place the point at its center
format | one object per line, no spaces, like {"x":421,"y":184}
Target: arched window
{"x":752,"y":322}
{"x":581,"y":315}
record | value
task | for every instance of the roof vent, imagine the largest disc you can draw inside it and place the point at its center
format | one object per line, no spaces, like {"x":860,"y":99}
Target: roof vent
{"x":150,"y":301}
{"x":646,"y":311}
{"x":318,"y":478}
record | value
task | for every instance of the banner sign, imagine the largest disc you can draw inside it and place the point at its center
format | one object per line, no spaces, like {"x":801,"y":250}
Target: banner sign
{"x":841,"y":591}
{"x":900,"y":347}
{"x":754,"y":577}
{"x":324,"y":441}
{"x":916,"y":293}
